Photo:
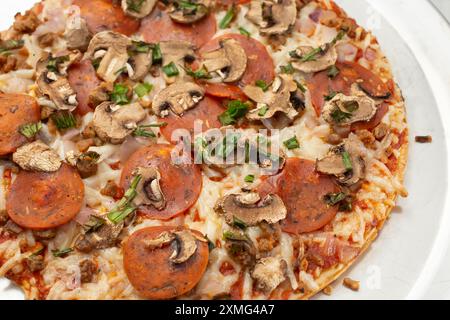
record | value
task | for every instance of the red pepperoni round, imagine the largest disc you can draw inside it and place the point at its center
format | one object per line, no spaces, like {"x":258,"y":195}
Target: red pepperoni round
{"x":208,"y":111}
{"x":259,"y":64}
{"x":44,"y":200}
{"x":15,"y":110}
{"x":222,"y":90}
{"x":181,"y":184}
{"x":158,"y":26}
{"x":302,"y":190}
{"x":102,"y":15}
{"x":83,"y":79}
{"x":320,"y":85}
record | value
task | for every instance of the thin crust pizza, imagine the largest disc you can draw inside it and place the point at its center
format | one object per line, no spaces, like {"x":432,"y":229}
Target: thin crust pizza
{"x":193,"y":149}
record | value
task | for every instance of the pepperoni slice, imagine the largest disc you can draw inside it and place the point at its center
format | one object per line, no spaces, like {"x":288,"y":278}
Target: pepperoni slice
{"x":101,"y":15}
{"x":151,"y":272}
{"x":158,"y":26}
{"x":208,"y":111}
{"x":15,"y":111}
{"x":181,"y":184}
{"x":259,"y":64}
{"x":302,"y":190}
{"x":45,"y":200}
{"x":320,"y":85}
{"x":222,"y":90}
{"x":83,"y":79}
{"x":374,"y":122}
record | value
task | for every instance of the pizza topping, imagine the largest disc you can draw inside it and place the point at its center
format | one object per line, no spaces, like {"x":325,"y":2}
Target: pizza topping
{"x":177,"y":262}
{"x":229,"y":62}
{"x":240,"y":247}
{"x":269,"y":273}
{"x":175,"y":53}
{"x":77,"y":34}
{"x":86,"y":164}
{"x":140,"y":60}
{"x":345,"y":162}
{"x":105,"y":236}
{"x":37,"y":156}
{"x":138,"y":8}
{"x":190,"y":11}
{"x":345,"y":110}
{"x":149,"y":189}
{"x":251,"y":209}
{"x":178,"y":97}
{"x":110,"y":50}
{"x":53,"y":82}
{"x":114,"y":123}
{"x":309,"y":59}
{"x":273,"y":17}
{"x":279,"y":105}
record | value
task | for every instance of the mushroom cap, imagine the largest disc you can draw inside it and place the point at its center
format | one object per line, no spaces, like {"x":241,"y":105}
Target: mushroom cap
{"x":115,"y":57}
{"x":269,"y":273}
{"x":345,"y":110}
{"x":185,"y":16}
{"x":140,"y":64}
{"x":179,"y":97}
{"x":114,"y":123}
{"x":186,"y":246}
{"x":77,"y":34}
{"x":176,"y":50}
{"x":149,"y":189}
{"x":229,"y":59}
{"x":321,"y":62}
{"x":145,"y":9}
{"x":273,"y":17}
{"x":37,"y":156}
{"x":250,"y":209}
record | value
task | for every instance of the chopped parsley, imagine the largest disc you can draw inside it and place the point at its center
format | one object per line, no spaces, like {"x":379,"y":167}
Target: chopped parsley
{"x":347,"y":161}
{"x":135,"y":5}
{"x":229,"y":235}
{"x":236,"y":109}
{"x":30,"y":130}
{"x":198,"y":74}
{"x":93,"y":224}
{"x":140,"y":47}
{"x":64,"y":120}
{"x":262,"y":112}
{"x":171,"y":70}
{"x":143,"y":89}
{"x":292,"y":143}
{"x":333,"y":199}
{"x":262,"y":84}
{"x":249,"y":178}
{"x":330,"y":96}
{"x":61,"y":253}
{"x":244,"y":32}
{"x":339,"y":116}
{"x":333,"y":71}
{"x":226,"y":20}
{"x":156,"y":54}
{"x":54,"y":63}
{"x":239,"y":223}
{"x":300,"y":86}
{"x":119,"y":95}
{"x":142,"y":131}
{"x":287,"y":69}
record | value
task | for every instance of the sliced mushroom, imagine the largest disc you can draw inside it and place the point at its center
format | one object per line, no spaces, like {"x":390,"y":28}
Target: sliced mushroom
{"x":345,"y":161}
{"x":138,"y":8}
{"x":111,"y":49}
{"x":345,"y":110}
{"x":37,"y":156}
{"x":138,"y":65}
{"x":250,"y":209}
{"x":269,"y":273}
{"x":187,"y":12}
{"x":186,"y":245}
{"x":228,"y":62}
{"x":77,"y":34}
{"x":177,"y":51}
{"x":309,"y":59}
{"x":273,"y":17}
{"x":149,"y":189}
{"x":178,"y":97}
{"x":52,"y":80}
{"x":162,"y":240}
{"x":280,"y":103}
{"x":241,"y":248}
{"x":106,"y":236}
{"x":114,"y":123}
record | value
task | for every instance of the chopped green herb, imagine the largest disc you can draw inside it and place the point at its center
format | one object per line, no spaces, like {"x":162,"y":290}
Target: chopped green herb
{"x":244,"y":32}
{"x":330,"y":96}
{"x":61,"y":253}
{"x":11,"y":45}
{"x":292,"y":143}
{"x":37,"y":252}
{"x":135,"y":5}
{"x":156,"y":54}
{"x":345,"y":205}
{"x":64,"y":120}
{"x":140,"y":47}
{"x":198,"y":74}
{"x":347,"y":161}
{"x":235,"y":110}
{"x":262,"y":112}
{"x":333,"y":199}
{"x":333,"y":71}
{"x":143,"y":89}
{"x":312,"y":55}
{"x":120,"y":71}
{"x":120,"y":94}
{"x":249,"y":178}
{"x":123,"y":208}
{"x":96,"y":63}
{"x":300,"y":86}
{"x":171,"y":70}
{"x":239,"y":223}
{"x":187,"y":5}
{"x":229,"y":235}
{"x":339,"y":116}
{"x":141,"y":131}
{"x":53,"y":63}
{"x":262,"y":84}
{"x":226,"y":20}
{"x":93,"y":224}
{"x":287,"y":69}
{"x":30,"y":130}
{"x":338,"y":37}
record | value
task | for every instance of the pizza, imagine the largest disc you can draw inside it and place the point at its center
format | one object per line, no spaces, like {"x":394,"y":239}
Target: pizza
{"x":193,"y":149}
